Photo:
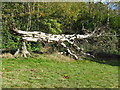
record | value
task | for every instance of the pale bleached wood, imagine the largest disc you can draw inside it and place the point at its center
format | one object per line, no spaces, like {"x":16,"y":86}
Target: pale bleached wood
{"x":36,"y":36}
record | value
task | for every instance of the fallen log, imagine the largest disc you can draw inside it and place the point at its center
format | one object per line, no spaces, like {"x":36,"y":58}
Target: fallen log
{"x":36,"y":36}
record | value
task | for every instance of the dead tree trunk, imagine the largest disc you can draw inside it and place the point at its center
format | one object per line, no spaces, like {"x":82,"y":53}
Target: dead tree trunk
{"x":48,"y":38}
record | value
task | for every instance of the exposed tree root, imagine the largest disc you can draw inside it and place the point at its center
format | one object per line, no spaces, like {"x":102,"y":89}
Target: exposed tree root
{"x":22,"y":50}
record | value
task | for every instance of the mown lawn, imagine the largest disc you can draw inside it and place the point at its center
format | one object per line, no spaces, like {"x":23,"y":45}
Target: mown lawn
{"x":45,"y":72}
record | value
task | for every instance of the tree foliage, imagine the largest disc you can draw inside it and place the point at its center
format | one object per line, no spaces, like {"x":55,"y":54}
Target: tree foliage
{"x":64,"y":17}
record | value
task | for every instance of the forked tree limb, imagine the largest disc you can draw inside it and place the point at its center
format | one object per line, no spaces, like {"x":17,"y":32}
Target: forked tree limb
{"x":69,"y":51}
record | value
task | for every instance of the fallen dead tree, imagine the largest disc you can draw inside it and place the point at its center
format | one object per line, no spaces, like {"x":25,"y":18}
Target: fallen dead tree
{"x":36,"y":36}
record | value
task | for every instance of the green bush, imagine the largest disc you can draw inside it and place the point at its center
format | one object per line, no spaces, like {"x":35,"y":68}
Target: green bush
{"x":50,"y":26}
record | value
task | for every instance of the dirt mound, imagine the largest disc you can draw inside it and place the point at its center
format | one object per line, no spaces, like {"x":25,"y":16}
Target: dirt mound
{"x":6,"y":55}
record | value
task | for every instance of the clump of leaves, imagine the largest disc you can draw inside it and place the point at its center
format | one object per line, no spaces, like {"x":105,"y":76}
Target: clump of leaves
{"x":51,"y":26}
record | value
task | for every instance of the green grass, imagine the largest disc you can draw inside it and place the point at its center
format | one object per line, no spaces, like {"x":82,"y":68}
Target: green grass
{"x":45,"y":72}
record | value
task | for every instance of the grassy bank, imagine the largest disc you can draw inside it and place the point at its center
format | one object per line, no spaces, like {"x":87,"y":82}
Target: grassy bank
{"x":51,"y":71}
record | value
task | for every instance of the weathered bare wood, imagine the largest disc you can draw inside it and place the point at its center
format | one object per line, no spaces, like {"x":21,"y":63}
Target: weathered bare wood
{"x":69,"y":51}
{"x":22,"y":49}
{"x":36,"y":36}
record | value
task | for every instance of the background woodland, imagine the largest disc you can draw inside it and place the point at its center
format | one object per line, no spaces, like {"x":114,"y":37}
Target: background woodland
{"x":63,"y":18}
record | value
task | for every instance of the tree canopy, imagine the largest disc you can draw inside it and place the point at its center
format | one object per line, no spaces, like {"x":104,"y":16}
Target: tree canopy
{"x":63,"y":17}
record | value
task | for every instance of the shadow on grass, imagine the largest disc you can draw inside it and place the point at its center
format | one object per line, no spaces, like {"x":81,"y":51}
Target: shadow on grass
{"x":104,"y":58}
